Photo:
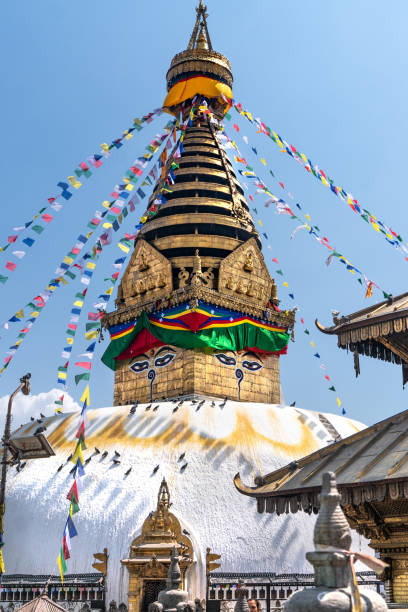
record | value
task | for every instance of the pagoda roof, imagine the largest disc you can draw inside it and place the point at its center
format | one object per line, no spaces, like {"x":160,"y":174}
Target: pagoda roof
{"x":371,"y":465}
{"x":379,"y":331}
{"x":42,"y":604}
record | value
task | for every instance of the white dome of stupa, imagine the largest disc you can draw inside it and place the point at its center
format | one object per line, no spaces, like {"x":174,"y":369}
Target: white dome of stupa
{"x":217,"y":441}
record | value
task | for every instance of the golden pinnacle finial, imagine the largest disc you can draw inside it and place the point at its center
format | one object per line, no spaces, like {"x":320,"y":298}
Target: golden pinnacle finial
{"x":202,"y":41}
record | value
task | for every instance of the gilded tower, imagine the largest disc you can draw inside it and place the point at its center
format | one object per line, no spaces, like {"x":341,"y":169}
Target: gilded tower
{"x":197,"y":310}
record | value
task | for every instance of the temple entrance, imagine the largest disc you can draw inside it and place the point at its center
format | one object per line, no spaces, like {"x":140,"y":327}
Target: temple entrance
{"x":151,"y":590}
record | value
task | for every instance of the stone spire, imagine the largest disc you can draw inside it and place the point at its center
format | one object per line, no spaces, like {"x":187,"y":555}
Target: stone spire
{"x":242,"y":600}
{"x":173,"y":599}
{"x":335,"y":585}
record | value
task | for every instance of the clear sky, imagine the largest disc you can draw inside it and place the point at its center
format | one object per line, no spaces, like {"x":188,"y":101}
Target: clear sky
{"x":329,"y":77}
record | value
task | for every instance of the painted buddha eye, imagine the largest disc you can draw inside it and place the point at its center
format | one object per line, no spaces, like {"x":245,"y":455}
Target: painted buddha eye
{"x":225,"y":359}
{"x":252,"y":366}
{"x":164,"y":360}
{"x":139,"y":366}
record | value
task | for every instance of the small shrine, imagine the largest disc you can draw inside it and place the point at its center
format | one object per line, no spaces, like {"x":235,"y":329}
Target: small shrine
{"x":150,"y":553}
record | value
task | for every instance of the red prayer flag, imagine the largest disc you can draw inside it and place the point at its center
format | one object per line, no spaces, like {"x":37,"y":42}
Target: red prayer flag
{"x":11,"y":266}
{"x":275,"y":260}
{"x":84,"y":364}
{"x":12,"y":239}
{"x":327,"y":377}
{"x":73,"y":490}
{"x":236,"y":127}
{"x":47,"y":218}
{"x":95,"y":316}
{"x":65,"y":549}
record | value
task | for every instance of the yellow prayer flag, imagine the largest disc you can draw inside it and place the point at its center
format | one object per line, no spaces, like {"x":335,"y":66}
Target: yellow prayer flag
{"x":20,"y":314}
{"x":74,"y":182}
{"x":2,"y":568}
{"x":130,"y":187}
{"x":285,"y":284}
{"x":123,"y":247}
{"x":70,"y":340}
{"x":18,"y":342}
{"x":62,"y":375}
{"x":312,"y":343}
{"x":107,"y":225}
{"x":109,"y":291}
{"x":35,"y":313}
{"x":91,"y":265}
{"x":338,"y":402}
{"x":375,"y":226}
{"x":78,"y":454}
{"x":91,"y":335}
{"x":60,"y":568}
{"x":85,"y":395}
{"x":68,"y":260}
{"x":260,"y":222}
{"x":106,"y":204}
{"x":105,"y":147}
{"x":58,"y":410}
{"x":79,"y":303}
{"x":143,"y":219}
{"x":308,"y":217}
{"x":263,"y":161}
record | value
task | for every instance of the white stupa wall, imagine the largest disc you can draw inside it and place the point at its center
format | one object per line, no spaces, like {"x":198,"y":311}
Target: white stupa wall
{"x":217,"y":442}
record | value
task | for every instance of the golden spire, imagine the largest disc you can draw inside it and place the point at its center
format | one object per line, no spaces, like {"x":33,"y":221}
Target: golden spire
{"x":202,"y":41}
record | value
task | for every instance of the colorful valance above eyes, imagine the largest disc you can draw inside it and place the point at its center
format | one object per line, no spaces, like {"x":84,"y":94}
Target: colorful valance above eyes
{"x":202,"y":327}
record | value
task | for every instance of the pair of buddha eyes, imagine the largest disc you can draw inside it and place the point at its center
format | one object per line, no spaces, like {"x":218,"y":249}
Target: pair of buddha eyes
{"x":228,"y":360}
{"x":162,"y":359}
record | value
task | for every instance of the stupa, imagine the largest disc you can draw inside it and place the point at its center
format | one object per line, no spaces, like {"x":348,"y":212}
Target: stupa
{"x":196,"y":340}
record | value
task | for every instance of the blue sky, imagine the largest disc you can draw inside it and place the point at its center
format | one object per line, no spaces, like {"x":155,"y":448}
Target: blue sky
{"x":329,"y":77}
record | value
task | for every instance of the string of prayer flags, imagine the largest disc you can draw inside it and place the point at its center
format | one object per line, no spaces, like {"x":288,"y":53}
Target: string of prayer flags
{"x":77,"y":458}
{"x":35,"y":224}
{"x":313,"y":230}
{"x":68,"y":274}
{"x":392,"y":237}
{"x":285,"y":283}
{"x":67,"y":265}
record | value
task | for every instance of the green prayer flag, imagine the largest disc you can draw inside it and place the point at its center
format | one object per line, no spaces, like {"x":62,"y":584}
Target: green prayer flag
{"x":70,"y":274}
{"x":37,"y":229}
{"x":3,"y":279}
{"x":81,"y":442}
{"x":79,"y":377}
{"x":63,"y":564}
{"x":332,"y":389}
{"x":307,"y":332}
{"x":279,"y":272}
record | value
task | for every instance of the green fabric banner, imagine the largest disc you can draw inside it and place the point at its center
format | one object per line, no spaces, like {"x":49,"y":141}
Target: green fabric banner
{"x":236,"y":336}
